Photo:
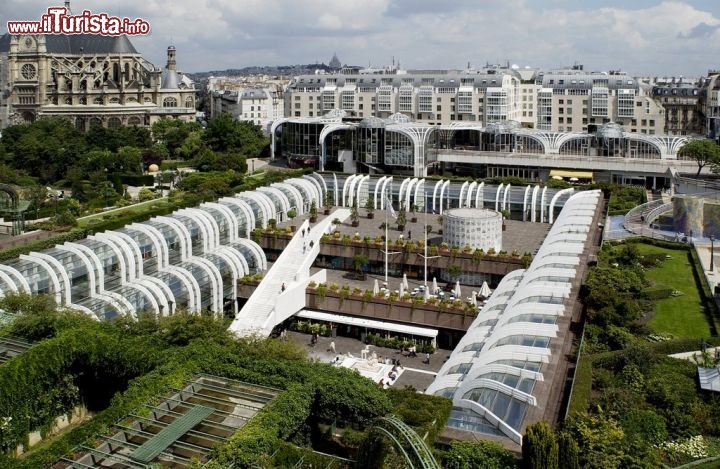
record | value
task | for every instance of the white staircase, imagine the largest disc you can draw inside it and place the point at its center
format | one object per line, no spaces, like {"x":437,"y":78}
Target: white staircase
{"x":268,"y":306}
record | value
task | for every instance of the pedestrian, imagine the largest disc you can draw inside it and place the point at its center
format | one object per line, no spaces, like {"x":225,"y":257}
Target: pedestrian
{"x":303,"y":248}
{"x":282,"y":288}
{"x":303,"y":232}
{"x":332,"y":347}
{"x":312,"y":243}
{"x":427,"y":359}
{"x":409,"y":234}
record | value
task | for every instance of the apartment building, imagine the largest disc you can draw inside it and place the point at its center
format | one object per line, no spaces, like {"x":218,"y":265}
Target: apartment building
{"x":680,"y":99}
{"x":258,"y":99}
{"x":435,"y":97}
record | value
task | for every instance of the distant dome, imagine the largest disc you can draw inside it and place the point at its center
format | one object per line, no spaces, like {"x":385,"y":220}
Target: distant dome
{"x":610,"y":130}
{"x":515,"y":66}
{"x":372,"y":123}
{"x":399,"y":118}
{"x":153,"y":168}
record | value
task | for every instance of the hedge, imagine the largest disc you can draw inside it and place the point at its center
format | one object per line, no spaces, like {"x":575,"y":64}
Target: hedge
{"x":137,"y":180}
{"x":41,"y":244}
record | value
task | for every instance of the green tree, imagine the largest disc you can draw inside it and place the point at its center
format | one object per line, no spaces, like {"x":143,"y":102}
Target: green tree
{"x":568,"y":456}
{"x":145,"y":194}
{"x":539,"y":447}
{"x":401,"y":218}
{"x":224,"y":134}
{"x":600,"y":439}
{"x":454,"y":271}
{"x":478,"y":454}
{"x":359,"y":260}
{"x":704,"y":152}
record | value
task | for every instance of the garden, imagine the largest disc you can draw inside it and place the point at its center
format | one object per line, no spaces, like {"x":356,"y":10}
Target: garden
{"x":116,"y":368}
{"x":632,"y":405}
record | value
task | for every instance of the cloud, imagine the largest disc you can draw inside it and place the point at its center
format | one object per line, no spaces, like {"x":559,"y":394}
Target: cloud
{"x":642,"y":37}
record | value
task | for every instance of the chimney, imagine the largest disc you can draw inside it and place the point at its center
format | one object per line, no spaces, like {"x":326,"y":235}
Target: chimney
{"x":67,"y":6}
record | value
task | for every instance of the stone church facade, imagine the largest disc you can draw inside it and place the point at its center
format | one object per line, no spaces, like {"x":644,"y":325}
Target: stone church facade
{"x":90,"y":79}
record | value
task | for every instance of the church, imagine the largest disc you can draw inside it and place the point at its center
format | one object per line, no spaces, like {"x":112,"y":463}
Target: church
{"x":90,"y":79}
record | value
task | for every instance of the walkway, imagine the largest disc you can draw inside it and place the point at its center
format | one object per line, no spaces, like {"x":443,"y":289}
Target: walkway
{"x":270,"y":304}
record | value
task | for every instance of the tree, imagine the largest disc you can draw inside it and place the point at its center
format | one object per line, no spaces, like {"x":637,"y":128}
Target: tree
{"x":224,"y":134}
{"x":472,"y":454}
{"x":568,"y":452}
{"x":454,"y":271}
{"x":359,"y":260}
{"x":703,"y":152}
{"x":539,"y":447}
{"x":401,"y":218}
{"x":354,"y":215}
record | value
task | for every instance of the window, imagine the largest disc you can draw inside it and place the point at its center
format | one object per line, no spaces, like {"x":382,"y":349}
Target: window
{"x":170,"y":102}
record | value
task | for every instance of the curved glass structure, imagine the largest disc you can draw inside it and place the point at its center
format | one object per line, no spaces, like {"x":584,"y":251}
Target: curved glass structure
{"x":191,"y":258}
{"x":492,"y":373}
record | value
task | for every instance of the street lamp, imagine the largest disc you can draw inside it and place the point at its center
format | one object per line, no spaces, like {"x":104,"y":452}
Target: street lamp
{"x":712,"y":253}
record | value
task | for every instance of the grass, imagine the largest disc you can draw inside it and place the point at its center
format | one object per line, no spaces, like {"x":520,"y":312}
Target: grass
{"x":138,"y":209}
{"x":686,"y":315}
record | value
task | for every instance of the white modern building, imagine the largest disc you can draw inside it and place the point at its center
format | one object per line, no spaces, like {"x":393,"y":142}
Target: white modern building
{"x":495,"y":374}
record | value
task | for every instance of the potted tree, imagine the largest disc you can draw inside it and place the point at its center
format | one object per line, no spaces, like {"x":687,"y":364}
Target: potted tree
{"x":370,"y":207}
{"x":328,"y":203}
{"x":359,"y":260}
{"x":354,"y":215}
{"x":292,"y":213}
{"x":313,"y":212}
{"x":413,"y":210}
{"x":401,"y":219}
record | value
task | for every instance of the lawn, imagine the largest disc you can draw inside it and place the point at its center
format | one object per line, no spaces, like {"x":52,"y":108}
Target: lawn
{"x":685,"y":315}
{"x":138,"y":209}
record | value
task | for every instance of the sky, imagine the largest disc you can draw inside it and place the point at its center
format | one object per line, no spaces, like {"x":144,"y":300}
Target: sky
{"x":640,"y":37}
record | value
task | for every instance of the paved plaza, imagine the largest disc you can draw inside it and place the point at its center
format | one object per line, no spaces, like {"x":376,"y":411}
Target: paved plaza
{"x":414,"y":373}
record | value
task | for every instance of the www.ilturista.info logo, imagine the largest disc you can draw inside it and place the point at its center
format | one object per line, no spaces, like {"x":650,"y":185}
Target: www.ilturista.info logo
{"x":57,"y":21}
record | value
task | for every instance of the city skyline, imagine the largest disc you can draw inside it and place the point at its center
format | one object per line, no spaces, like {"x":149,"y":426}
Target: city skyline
{"x":668,"y":38}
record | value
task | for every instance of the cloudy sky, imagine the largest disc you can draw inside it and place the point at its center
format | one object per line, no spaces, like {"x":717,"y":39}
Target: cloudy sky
{"x":650,"y":37}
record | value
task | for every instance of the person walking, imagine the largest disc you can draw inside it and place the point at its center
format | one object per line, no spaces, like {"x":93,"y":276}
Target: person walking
{"x":427,"y":359}
{"x":282,"y":288}
{"x":332,"y":347}
{"x":303,"y":248}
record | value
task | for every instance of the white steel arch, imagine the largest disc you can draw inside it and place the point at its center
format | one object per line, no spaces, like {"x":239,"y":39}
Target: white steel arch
{"x":275,"y":193}
{"x":230,"y":218}
{"x":468,"y":199}
{"x":525,"y":203}
{"x":19,"y":279}
{"x":264,"y":215}
{"x":135,"y":262}
{"x":211,"y":272}
{"x":543,"y":203}
{"x":358,"y":190}
{"x":315,"y":187}
{"x":92,"y":283}
{"x":497,"y":197}
{"x":409,"y":193}
{"x":505,"y":197}
{"x":295,"y":192}
{"x":533,"y":210}
{"x":211,"y":224}
{"x":554,"y":200}
{"x":381,"y":204}
{"x":480,"y":197}
{"x":60,"y":296}
{"x":463,"y":193}
{"x":420,"y":183}
{"x":257,"y":251}
{"x":388,"y":180}
{"x":118,"y":254}
{"x":182,"y":232}
{"x":444,"y":193}
{"x":161,"y":286}
{"x":246,"y":210}
{"x":305,"y":189}
{"x":163,"y":257}
{"x":200,"y":221}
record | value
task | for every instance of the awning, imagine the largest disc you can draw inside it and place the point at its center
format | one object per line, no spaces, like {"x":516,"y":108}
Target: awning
{"x":571,"y":174}
{"x":371,"y":323}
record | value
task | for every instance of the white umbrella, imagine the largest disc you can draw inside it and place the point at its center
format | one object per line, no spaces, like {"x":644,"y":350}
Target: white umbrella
{"x":473,"y":298}
{"x":457,"y":289}
{"x":434,"y":285}
{"x":557,"y":178}
{"x":402,"y":290}
{"x":376,"y":288}
{"x":405,"y":283}
{"x":574,"y":179}
{"x":485,"y":290}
